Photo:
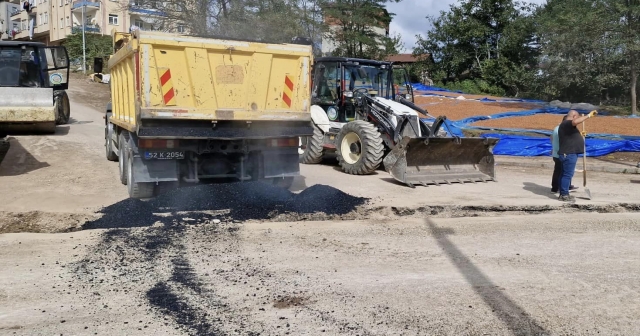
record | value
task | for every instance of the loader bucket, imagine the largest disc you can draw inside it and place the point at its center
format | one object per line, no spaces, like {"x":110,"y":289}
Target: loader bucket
{"x":424,"y":161}
{"x":25,"y":109}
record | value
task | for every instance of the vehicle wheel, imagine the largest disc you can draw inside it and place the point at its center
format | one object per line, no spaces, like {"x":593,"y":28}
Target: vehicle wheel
{"x":313,"y":147}
{"x":108,"y":142}
{"x":63,"y":109}
{"x":137,"y":189}
{"x":46,"y":127}
{"x":284,"y":183}
{"x":4,"y":148}
{"x":359,"y":147}
{"x":123,"y":139}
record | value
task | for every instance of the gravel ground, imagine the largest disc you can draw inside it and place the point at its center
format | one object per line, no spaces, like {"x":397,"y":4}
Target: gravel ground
{"x":611,"y":125}
{"x":460,"y":109}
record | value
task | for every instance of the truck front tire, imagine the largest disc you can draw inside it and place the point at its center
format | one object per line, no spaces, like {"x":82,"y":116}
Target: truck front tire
{"x":122,"y":156}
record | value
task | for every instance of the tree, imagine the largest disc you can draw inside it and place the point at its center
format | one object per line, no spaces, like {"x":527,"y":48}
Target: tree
{"x":355,"y":28}
{"x":591,"y":50}
{"x":488,"y":40}
{"x":95,"y":46}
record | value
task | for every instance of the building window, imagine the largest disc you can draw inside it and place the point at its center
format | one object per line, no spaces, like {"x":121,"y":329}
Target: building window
{"x":181,"y":29}
{"x":46,"y":17}
{"x":61,"y":23}
{"x":113,"y":19}
{"x":24,"y":24}
{"x":66,"y":2}
{"x":68,"y":22}
{"x":60,"y":3}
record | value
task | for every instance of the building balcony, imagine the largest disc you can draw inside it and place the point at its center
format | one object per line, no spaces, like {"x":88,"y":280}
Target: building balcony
{"x":77,"y":5}
{"x":15,"y":13}
{"x":143,"y":11}
{"x":89,"y":28}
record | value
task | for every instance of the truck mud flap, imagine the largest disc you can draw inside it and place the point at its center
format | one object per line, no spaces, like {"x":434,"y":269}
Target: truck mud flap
{"x":425,"y":161}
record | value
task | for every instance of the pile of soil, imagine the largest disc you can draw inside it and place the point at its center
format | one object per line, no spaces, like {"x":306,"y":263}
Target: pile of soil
{"x":461,"y":109}
{"x":610,"y":125}
{"x":226,"y":202}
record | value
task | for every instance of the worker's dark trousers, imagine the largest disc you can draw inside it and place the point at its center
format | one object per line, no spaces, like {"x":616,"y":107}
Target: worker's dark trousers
{"x":557,"y":175}
{"x":568,"y":168}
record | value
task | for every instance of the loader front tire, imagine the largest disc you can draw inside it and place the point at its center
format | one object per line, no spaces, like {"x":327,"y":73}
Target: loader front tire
{"x":313,"y":151}
{"x":359,"y":147}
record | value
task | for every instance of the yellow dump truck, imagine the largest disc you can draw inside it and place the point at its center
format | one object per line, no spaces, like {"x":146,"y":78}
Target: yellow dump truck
{"x":190,"y":109}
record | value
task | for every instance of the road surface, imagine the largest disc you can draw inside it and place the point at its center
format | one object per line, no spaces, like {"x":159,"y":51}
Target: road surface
{"x":378,"y":258}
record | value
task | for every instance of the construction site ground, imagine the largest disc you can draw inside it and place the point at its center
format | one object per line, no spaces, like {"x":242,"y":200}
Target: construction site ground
{"x":336,"y":255}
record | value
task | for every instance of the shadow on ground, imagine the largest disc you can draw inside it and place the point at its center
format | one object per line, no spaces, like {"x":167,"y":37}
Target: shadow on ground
{"x":228,"y":202}
{"x":514,"y":317}
{"x":19,"y":161}
{"x":539,"y":190}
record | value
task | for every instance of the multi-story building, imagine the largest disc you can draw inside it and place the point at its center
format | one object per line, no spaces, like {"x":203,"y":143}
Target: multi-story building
{"x":51,"y":21}
{"x":7,"y":26}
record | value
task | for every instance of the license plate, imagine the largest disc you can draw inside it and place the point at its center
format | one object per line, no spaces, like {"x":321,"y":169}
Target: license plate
{"x":164,"y":155}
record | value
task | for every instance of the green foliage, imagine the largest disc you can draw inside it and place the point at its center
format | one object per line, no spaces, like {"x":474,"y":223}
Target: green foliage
{"x":489,"y":42}
{"x":355,"y":35}
{"x":474,"y":86}
{"x":95,"y":46}
{"x":591,"y":51}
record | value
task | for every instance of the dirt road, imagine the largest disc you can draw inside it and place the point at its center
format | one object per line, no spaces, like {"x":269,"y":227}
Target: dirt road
{"x":339,"y":255}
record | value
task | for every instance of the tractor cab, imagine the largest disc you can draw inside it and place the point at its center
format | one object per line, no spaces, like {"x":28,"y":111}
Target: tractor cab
{"x":34,"y":65}
{"x":339,"y":83}
{"x":33,"y":80}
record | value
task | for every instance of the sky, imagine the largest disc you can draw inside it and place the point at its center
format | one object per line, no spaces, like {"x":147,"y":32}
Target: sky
{"x":410,"y":18}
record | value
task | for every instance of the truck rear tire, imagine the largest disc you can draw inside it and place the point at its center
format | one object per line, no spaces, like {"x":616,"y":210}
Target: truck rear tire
{"x":108,"y":141}
{"x":63,"y":109}
{"x":313,"y":152}
{"x":284,"y":183}
{"x":137,"y":189}
{"x":123,"y":139}
{"x":359,"y":147}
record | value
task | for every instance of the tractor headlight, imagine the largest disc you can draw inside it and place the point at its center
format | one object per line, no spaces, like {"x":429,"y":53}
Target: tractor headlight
{"x":332,"y":113}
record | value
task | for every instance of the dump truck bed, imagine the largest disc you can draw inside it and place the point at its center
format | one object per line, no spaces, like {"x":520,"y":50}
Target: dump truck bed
{"x":168,"y":77}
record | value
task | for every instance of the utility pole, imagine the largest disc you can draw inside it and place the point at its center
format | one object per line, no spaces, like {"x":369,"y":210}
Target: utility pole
{"x":84,"y":53}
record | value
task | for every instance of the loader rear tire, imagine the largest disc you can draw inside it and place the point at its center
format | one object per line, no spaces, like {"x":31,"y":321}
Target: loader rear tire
{"x":360,"y":148}
{"x":313,"y":152}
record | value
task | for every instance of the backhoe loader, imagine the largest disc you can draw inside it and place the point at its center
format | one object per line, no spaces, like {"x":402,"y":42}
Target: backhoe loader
{"x":364,"y":111}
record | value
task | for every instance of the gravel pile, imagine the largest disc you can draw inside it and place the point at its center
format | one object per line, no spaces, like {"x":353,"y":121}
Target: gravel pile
{"x":238,"y":202}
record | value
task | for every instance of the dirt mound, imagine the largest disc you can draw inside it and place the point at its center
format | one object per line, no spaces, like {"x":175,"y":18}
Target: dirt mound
{"x":225,"y":202}
{"x":40,"y":222}
{"x":461,"y":109}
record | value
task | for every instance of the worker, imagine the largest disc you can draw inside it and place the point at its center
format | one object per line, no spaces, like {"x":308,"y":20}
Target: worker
{"x":571,"y":144}
{"x":557,"y":165}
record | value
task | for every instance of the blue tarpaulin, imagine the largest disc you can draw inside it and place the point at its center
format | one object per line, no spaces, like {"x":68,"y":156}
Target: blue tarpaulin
{"x":516,"y":145}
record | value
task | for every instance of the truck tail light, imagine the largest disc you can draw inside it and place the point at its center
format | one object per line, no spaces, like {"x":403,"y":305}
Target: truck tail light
{"x":155,"y":143}
{"x":286,"y":142}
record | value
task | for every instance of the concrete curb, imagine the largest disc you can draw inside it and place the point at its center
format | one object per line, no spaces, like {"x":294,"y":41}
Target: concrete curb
{"x":545,"y":165}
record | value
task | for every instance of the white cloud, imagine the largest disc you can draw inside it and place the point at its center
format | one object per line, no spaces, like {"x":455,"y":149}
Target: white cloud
{"x":410,"y":19}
